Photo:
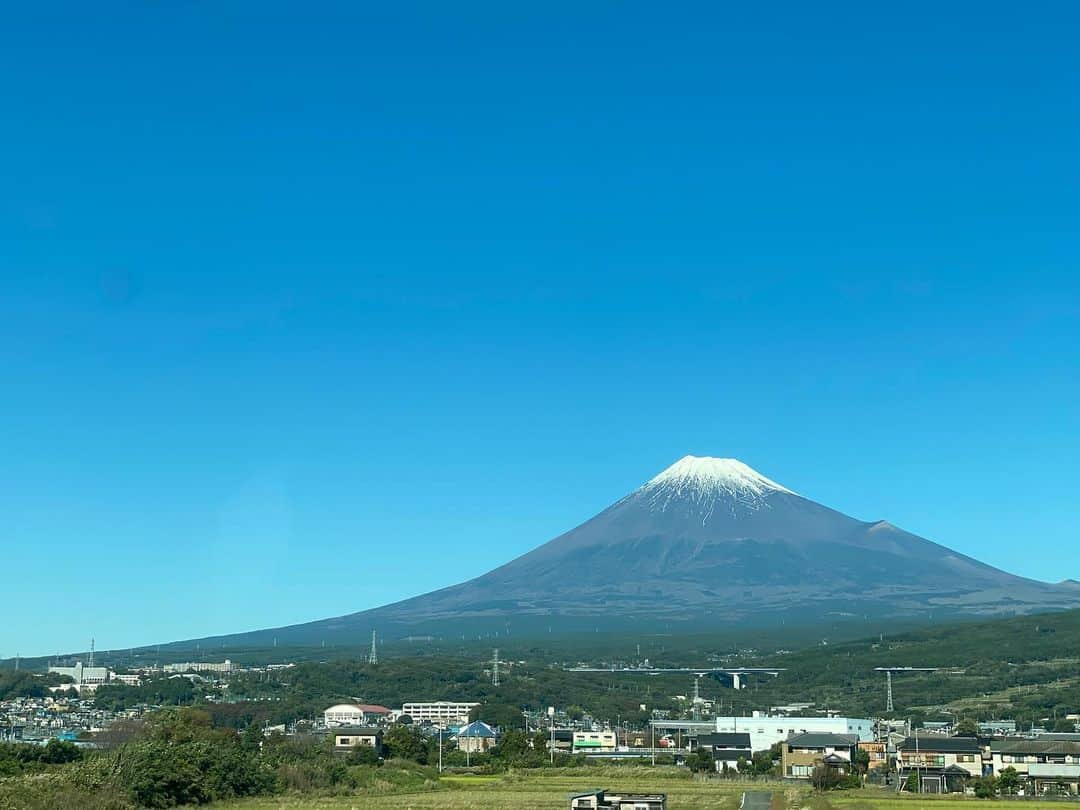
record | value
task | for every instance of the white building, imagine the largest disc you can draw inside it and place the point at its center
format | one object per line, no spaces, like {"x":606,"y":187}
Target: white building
{"x":353,"y":714}
{"x":766,"y":730}
{"x":225,"y":667}
{"x":439,"y":713}
{"x":83,"y":676}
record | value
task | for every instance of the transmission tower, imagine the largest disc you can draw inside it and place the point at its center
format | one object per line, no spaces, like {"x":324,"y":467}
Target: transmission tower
{"x":889,"y":671}
{"x":373,"y":657}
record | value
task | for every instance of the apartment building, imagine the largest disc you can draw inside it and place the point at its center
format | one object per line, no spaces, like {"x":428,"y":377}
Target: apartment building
{"x":441,"y":713}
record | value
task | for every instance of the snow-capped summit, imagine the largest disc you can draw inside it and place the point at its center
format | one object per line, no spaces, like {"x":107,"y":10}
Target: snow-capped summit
{"x":705,"y":481}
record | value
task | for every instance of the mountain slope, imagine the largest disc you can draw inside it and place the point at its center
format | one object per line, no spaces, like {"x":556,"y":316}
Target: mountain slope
{"x":713,"y":541}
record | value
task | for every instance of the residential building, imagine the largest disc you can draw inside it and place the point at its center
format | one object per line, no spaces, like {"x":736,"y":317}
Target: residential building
{"x":476,"y":738}
{"x":941,"y":764}
{"x":354,"y":714}
{"x":602,"y":800}
{"x":878,"y":753}
{"x":441,"y":713}
{"x":222,"y":668}
{"x":591,"y":741}
{"x":346,"y":738}
{"x":727,"y":749}
{"x":766,"y":730}
{"x":801,"y":753}
{"x":1048,"y":765}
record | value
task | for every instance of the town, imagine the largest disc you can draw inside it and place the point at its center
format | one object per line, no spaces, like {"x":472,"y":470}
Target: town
{"x":87,"y":704}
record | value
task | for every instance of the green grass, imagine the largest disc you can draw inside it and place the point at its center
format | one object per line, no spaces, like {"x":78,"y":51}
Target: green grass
{"x":545,"y":791}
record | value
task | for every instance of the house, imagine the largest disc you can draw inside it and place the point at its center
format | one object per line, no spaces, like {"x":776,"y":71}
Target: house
{"x":354,"y":714}
{"x":1047,"y":765}
{"x":878,"y":753}
{"x":601,"y":800}
{"x":347,"y":738}
{"x":801,"y":753}
{"x":727,"y":749}
{"x":941,"y":764}
{"x":476,"y":738}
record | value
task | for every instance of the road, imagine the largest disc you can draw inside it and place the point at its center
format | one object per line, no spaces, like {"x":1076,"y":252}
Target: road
{"x":756,"y":800}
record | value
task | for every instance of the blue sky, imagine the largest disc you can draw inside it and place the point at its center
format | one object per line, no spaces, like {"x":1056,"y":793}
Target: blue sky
{"x":305,"y":310}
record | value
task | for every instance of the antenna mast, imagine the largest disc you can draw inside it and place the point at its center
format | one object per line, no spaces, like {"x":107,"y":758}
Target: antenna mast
{"x":373,"y":657}
{"x":91,"y":663}
{"x":495,"y":668}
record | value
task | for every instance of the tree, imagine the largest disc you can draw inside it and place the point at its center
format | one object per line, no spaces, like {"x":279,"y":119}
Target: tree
{"x":824,"y":778}
{"x":701,"y":760}
{"x":763,"y":763}
{"x":405,"y":742}
{"x":985,"y":787}
{"x":498,"y":714}
{"x":1008,"y":781}
{"x":861,"y":760}
{"x":541,"y":739}
{"x":967,"y":727}
{"x":60,"y":752}
{"x":363,"y":755}
{"x":513,"y":746}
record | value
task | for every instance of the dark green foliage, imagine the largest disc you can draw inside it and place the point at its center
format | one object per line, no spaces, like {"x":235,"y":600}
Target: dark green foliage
{"x":25,"y":684}
{"x":183,"y":760}
{"x":363,"y":755}
{"x":861,"y":760}
{"x":514,"y":749}
{"x":1008,"y":782}
{"x":985,"y":787}
{"x":405,"y":742}
{"x":160,"y":692}
{"x":60,"y":752}
{"x":499,"y":714}
{"x":701,"y":760}
{"x":16,"y":758}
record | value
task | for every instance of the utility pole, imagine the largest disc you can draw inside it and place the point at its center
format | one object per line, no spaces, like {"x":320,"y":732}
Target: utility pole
{"x":373,"y":657}
{"x":551,"y":720}
{"x":440,"y":749}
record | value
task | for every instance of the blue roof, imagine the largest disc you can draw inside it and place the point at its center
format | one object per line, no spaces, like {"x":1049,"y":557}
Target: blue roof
{"x":477,"y":729}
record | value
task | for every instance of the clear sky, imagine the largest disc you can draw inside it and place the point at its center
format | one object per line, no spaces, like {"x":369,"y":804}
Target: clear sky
{"x":306,"y":308}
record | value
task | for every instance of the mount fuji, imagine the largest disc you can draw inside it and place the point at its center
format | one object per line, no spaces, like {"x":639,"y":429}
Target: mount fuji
{"x":709,"y":542}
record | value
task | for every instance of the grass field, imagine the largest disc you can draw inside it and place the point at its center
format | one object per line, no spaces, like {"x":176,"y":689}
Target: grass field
{"x":549,"y":792}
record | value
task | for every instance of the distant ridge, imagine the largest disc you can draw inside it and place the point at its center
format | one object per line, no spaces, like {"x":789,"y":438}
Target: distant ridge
{"x":708,"y":542}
